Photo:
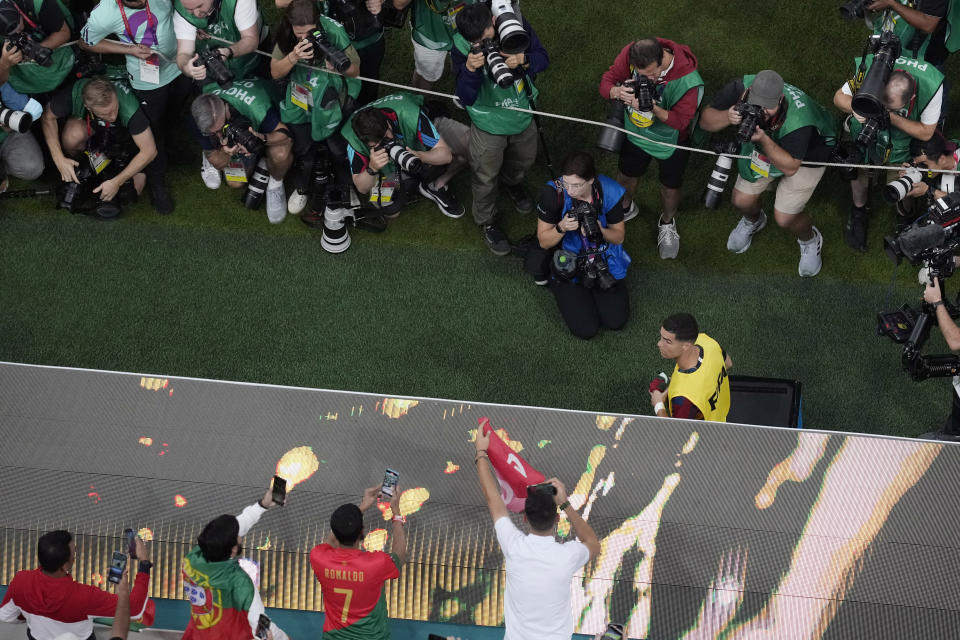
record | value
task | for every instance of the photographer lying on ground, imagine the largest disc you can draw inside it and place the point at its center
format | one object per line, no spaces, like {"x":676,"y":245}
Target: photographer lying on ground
{"x":580,"y":229}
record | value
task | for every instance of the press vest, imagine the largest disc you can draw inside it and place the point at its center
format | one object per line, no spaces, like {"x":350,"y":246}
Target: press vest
{"x":892,"y":144}
{"x":406,"y":109}
{"x":708,"y":387}
{"x":30,"y":78}
{"x":610,"y":194}
{"x":435,"y":30}
{"x":802,"y":111}
{"x":642,"y":136}
{"x":128,"y":102}
{"x":912,"y":41}
{"x":250,"y":98}
{"x":221,"y":25}
{"x":487,"y":113}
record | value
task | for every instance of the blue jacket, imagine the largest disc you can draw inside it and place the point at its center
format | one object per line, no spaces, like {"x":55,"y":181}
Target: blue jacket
{"x":611,"y":193}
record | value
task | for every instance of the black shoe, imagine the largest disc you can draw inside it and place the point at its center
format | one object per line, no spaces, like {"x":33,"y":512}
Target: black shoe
{"x":496,"y":239}
{"x":446,"y":202}
{"x":312,"y":218}
{"x":161,"y":199}
{"x":521,"y":199}
{"x":374,"y":224}
{"x":855,"y":231}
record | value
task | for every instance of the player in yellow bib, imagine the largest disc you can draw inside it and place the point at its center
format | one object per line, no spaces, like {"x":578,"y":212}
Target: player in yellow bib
{"x":699,"y":388}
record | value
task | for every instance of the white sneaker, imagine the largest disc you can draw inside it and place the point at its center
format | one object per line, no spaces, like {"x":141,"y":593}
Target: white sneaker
{"x":742,"y":235}
{"x":810,"y":260}
{"x":297,"y":202}
{"x":276,"y":204}
{"x":668,"y":240}
{"x":632,"y":212}
{"x":210,"y":174}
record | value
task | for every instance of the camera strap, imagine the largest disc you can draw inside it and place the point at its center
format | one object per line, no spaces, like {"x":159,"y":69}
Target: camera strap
{"x":152,"y":21}
{"x":26,"y":18}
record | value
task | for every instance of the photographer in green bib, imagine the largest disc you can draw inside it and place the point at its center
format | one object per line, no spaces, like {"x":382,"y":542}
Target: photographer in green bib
{"x":315,"y":102}
{"x":228,"y":30}
{"x":666,"y":73}
{"x":239,"y":124}
{"x":913,"y":21}
{"x":503,"y":142}
{"x":778,"y":127}
{"x":33,"y":58}
{"x":433,"y":23}
{"x":907,"y":96}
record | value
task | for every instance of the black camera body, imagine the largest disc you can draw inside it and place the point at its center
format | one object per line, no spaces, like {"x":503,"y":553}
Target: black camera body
{"x":324,"y":50}
{"x":587,"y":218}
{"x":494,"y":62}
{"x":406,"y":161}
{"x":590,"y":267}
{"x":31,"y":50}
{"x":216,"y":67}
{"x":612,"y":139}
{"x":752,"y":116}
{"x":238,"y":132}
{"x":353,"y":15}
{"x":930,"y":240}
{"x":854,"y":9}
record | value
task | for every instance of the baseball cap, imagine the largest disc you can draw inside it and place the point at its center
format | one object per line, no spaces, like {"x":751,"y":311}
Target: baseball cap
{"x":9,"y":17}
{"x":766,"y":90}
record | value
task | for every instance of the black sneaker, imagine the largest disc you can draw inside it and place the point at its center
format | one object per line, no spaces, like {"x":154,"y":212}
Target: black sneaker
{"x":446,"y":202}
{"x":161,"y":199}
{"x":372,"y":223}
{"x":496,"y":239}
{"x":312,"y":218}
{"x":855,"y":230}
{"x":521,"y":199}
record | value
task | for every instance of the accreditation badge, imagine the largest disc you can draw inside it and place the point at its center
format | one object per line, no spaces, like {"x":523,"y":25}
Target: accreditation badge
{"x":642,"y":119}
{"x":760,"y":164}
{"x":451,"y":15}
{"x":235,"y":172}
{"x":382,"y":194}
{"x":150,"y":70}
{"x":98,"y":161}
{"x":301,"y":96}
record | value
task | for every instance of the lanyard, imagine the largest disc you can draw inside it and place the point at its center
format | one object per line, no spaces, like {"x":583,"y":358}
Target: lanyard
{"x":151,"y":21}
{"x":26,"y":18}
{"x":90,"y":129}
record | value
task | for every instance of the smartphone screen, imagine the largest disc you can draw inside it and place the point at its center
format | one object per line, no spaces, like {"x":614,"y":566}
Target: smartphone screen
{"x":263,"y":624}
{"x":130,"y":542}
{"x":117,"y":564}
{"x":389,"y":486}
{"x":279,"y":490}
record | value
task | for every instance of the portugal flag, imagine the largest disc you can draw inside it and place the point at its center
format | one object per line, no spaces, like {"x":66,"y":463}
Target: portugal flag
{"x":513,"y":472}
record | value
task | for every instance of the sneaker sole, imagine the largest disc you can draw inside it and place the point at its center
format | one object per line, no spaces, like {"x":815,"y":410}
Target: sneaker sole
{"x":750,"y":239}
{"x":429,"y":196}
{"x":498,"y":252}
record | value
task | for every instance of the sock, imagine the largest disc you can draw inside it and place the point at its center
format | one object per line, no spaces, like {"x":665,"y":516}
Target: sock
{"x":273,"y":183}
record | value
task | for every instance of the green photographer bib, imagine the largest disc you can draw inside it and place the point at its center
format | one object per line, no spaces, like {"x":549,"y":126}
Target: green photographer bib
{"x":802,"y":111}
{"x":250,"y":98}
{"x":893,"y":145}
{"x":488,"y":113}
{"x":222,"y":26}
{"x":29,"y":77}
{"x":432,"y":29}
{"x":647,"y":137}
{"x":406,"y":106}
{"x":128,"y":102}
{"x":912,"y":41}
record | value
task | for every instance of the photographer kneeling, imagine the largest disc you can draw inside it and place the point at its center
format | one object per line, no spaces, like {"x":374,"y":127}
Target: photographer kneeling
{"x":104,"y":124}
{"x":580,"y":222}
{"x":937,"y":153}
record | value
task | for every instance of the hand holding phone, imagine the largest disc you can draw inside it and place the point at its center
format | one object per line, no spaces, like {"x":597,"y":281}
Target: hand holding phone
{"x":278,"y":491}
{"x":263,"y":626}
{"x":118,"y":565}
{"x":389,"y":486}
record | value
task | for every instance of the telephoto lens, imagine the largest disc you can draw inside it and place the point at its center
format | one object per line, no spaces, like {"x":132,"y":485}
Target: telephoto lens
{"x":513,"y":37}
{"x":495,"y":63}
{"x":257,"y":186}
{"x":408,"y":162}
{"x":898,"y":189}
{"x":335,"y":238}
{"x":868,"y":133}
{"x":320,"y":180}
{"x":323,"y":50}
{"x":643,"y":90}
{"x":717,"y":181}
{"x":18,"y":121}
{"x":612,"y":139}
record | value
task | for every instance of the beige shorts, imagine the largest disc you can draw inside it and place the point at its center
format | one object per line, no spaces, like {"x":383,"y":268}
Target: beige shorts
{"x":455,"y":134}
{"x":427,"y":62}
{"x":793,"y":192}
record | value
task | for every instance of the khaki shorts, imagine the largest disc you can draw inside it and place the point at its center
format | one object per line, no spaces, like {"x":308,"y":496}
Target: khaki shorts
{"x":793,"y":192}
{"x":427,"y":62}
{"x":455,"y":134}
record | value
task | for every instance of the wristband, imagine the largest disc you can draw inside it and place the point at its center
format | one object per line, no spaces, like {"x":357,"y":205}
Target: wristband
{"x":564,"y":505}
{"x":659,"y":407}
{"x":481,"y":454}
{"x":260,"y":504}
{"x":371,"y":172}
{"x":938,"y":303}
{"x":400,"y":519}
{"x":144,"y":566}
{"x":559,"y":230}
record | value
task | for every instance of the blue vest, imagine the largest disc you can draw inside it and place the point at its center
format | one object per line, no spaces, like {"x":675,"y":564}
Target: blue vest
{"x":610,"y":194}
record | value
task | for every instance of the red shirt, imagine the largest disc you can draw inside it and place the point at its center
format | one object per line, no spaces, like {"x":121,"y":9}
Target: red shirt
{"x":351,"y":582}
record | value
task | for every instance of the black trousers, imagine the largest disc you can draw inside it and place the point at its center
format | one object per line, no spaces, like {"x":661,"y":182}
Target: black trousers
{"x":304,"y":150}
{"x":586,"y":310}
{"x":164,"y":106}
{"x":953,"y":424}
{"x":371,"y":57}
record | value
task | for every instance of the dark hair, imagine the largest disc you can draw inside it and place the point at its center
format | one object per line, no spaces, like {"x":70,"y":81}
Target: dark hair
{"x":347,"y":524}
{"x":682,"y":325}
{"x":298,"y":13}
{"x":218,"y":538}
{"x":645,"y":52}
{"x":903,"y":83}
{"x":370,"y":124}
{"x":473,"y":20}
{"x":541,"y":510}
{"x":53,"y":550}
{"x":579,"y":163}
{"x":937,"y":146}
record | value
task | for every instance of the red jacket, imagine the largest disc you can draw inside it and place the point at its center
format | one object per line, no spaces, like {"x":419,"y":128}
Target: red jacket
{"x":684,"y":62}
{"x":54,"y":606}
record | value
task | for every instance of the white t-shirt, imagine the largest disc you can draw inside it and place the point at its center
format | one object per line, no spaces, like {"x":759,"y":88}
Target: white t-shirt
{"x":244,"y":16}
{"x":536,"y":600}
{"x":930,"y":115}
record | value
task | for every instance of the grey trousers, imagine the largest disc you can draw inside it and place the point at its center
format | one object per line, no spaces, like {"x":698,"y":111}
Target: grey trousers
{"x":498,"y":158}
{"x":20,"y":156}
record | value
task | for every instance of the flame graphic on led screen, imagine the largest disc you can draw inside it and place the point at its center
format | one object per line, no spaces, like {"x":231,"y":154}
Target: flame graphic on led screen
{"x":397,"y":407}
{"x":375,"y":540}
{"x":297,"y":465}
{"x":605,"y":422}
{"x":179,"y":501}
{"x":451,"y":468}
{"x":411,"y":501}
{"x":145,"y":534}
{"x":146,"y":441}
